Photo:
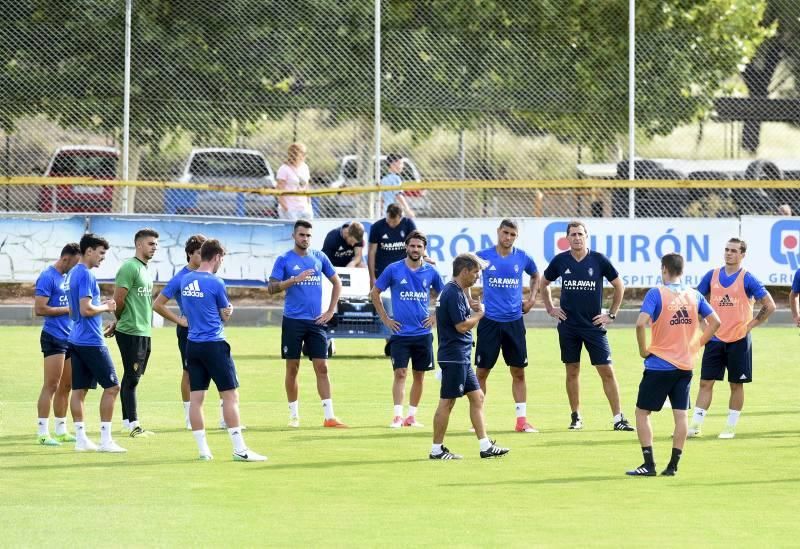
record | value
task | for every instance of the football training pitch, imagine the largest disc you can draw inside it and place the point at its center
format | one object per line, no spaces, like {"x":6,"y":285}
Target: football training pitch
{"x":374,"y":486}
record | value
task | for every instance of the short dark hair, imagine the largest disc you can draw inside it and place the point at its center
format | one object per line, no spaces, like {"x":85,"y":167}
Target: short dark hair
{"x":576,"y":223}
{"x":465,"y":261}
{"x":394,"y":211}
{"x":419,"y":235}
{"x":71,"y":249}
{"x":742,"y":244}
{"x":305,"y":223}
{"x":193,"y":243}
{"x":356,"y":230}
{"x":673,"y":263}
{"x":510,"y":224}
{"x":142,"y":233}
{"x":91,"y":240}
{"x":211,"y":248}
{"x":392,"y":158}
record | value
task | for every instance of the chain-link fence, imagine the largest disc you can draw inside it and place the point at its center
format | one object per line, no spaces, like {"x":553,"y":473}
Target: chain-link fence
{"x":468,"y":91}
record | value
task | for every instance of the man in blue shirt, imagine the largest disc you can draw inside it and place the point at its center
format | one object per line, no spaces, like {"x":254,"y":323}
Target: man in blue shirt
{"x":395,"y":164}
{"x":732,"y":292}
{"x":91,"y":361}
{"x":457,"y":314}
{"x":173,"y":290}
{"x":50,"y":301}
{"x":503,"y":327}
{"x":581,"y":321}
{"x":299,"y":272}
{"x":673,"y":311}
{"x":413,"y":284}
{"x":205,"y":303}
{"x":344,"y":245}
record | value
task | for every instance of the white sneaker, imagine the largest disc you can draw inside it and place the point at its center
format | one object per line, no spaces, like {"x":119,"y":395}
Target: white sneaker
{"x":248,"y":455}
{"x":205,"y":457}
{"x":294,"y":422}
{"x":396,"y":423}
{"x":728,"y":432}
{"x":695,"y":431}
{"x":111,"y":447}
{"x":85,"y":445}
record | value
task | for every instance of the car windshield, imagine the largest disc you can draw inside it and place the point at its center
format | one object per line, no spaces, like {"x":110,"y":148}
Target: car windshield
{"x":221,"y":164}
{"x":82,"y":165}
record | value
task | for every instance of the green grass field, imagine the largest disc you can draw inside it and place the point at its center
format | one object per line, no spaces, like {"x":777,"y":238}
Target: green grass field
{"x":372,"y":486}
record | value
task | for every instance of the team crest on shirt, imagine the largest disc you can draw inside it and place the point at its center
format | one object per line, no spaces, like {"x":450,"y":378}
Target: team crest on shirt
{"x":403,"y":234}
{"x":424,"y":283}
{"x":516,"y":268}
{"x":591,"y":271}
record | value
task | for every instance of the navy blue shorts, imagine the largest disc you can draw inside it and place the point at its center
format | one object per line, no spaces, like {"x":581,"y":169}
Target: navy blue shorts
{"x":295,"y":332}
{"x":508,"y":336}
{"x":657,"y":385}
{"x":183,"y":336}
{"x":418,"y":349}
{"x":51,"y":345}
{"x":458,"y":379}
{"x":92,"y":365}
{"x":573,"y":339}
{"x":735,"y":357}
{"x":207,"y":360}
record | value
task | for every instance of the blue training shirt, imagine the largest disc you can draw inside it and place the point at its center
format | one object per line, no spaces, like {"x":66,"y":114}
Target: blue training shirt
{"x":453,"y":309}
{"x":410,"y":294}
{"x":86,"y":330}
{"x":753,"y":287}
{"x":173,"y":287}
{"x":203,"y":295}
{"x":303,"y":300}
{"x":651,"y":305}
{"x":389,"y":197}
{"x":581,"y":285}
{"x":796,"y":282}
{"x":502,"y":283}
{"x":53,"y":285}
{"x":391,"y":242}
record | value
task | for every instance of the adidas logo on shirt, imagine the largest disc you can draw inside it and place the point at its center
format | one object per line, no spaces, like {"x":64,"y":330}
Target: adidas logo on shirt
{"x":192,"y":290}
{"x":296,"y":268}
{"x":385,"y":236}
{"x":404,"y":281}
{"x":726,"y":301}
{"x":681,"y":316}
{"x":492,"y":268}
{"x":567,"y":272}
{"x":341,"y":247}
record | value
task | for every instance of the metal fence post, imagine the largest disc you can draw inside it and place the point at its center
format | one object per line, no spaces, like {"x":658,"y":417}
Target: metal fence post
{"x":126,"y":113}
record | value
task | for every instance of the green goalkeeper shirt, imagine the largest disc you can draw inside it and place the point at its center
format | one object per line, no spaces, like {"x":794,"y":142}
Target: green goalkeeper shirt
{"x":137,"y":316}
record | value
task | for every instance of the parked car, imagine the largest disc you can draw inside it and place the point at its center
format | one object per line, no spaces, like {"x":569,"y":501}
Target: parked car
{"x":90,"y":161}
{"x":347,"y":176}
{"x":219,"y":166}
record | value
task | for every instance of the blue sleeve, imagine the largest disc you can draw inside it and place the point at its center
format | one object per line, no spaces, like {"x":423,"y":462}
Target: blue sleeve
{"x":85,"y":286}
{"x":609,"y":272}
{"x":43,"y":286}
{"x":220,"y":295}
{"x":385,"y":280}
{"x":278,"y":268}
{"x":172,"y":287}
{"x":651,"y":304}
{"x":437,"y":283}
{"x":373,"y":233}
{"x":455,"y":313}
{"x":327,"y":266}
{"x":796,"y":282}
{"x":753,"y":287}
{"x":703,"y":307}
{"x":328,"y":245}
{"x":705,"y":284}
{"x":410,"y":225}
{"x":551,"y":272}
{"x":530,"y":265}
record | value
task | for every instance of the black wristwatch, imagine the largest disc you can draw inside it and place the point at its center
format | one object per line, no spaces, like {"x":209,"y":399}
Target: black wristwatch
{"x":612,"y":316}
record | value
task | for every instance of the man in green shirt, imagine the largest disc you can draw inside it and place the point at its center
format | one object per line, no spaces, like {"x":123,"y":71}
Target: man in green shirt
{"x":134,"y":297}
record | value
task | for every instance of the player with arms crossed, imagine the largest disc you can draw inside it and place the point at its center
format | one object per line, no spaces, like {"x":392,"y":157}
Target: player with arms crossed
{"x":581,"y":321}
{"x":413,"y":284}
{"x":299,"y":272}
{"x":457,"y":314}
{"x":50,"y":301}
{"x":91,"y":361}
{"x":732,"y":291}
{"x":673,"y":311}
{"x":208,"y":356}
{"x":502,"y":327}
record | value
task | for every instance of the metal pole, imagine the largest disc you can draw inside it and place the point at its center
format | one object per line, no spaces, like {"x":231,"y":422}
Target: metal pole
{"x":462,"y":168}
{"x":126,"y":114}
{"x":377,"y":153}
{"x":631,"y":104}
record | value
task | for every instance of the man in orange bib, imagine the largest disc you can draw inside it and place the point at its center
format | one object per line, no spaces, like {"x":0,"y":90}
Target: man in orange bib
{"x":673,"y":311}
{"x":732,"y":291}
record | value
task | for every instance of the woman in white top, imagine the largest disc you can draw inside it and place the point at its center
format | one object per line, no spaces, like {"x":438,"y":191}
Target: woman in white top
{"x":294,"y":175}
